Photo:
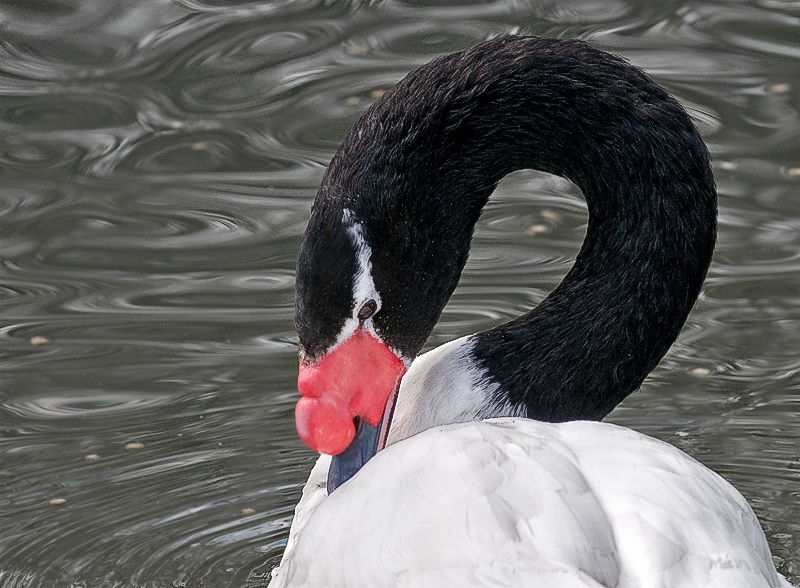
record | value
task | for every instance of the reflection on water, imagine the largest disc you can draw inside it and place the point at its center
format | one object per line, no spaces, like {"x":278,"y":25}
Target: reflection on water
{"x":158,"y":163}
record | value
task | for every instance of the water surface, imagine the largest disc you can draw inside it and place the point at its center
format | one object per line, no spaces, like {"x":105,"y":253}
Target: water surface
{"x":157,"y":165}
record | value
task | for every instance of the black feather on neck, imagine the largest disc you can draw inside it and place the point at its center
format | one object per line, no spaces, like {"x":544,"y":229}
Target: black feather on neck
{"x":421,"y":163}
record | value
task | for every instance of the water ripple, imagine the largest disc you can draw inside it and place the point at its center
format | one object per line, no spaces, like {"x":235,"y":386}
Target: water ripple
{"x":88,"y":404}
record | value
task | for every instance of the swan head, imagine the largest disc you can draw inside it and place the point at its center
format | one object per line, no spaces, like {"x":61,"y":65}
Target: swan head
{"x":361,"y":319}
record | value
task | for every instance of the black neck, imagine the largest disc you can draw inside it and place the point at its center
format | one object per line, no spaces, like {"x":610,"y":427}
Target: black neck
{"x":450,"y":131}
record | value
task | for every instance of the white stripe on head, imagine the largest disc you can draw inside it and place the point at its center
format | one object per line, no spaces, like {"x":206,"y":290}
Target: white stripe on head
{"x":363,"y":285}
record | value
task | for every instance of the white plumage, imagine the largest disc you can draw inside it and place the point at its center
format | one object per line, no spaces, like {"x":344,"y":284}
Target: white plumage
{"x":515,"y":502}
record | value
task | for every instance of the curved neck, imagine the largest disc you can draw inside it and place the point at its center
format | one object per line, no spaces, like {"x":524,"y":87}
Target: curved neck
{"x":450,"y":131}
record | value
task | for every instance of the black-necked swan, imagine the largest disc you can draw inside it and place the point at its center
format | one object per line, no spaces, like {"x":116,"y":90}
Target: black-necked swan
{"x":494,"y":473}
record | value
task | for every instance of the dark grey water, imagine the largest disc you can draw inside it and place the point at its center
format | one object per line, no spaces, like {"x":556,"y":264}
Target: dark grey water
{"x":158,"y":160}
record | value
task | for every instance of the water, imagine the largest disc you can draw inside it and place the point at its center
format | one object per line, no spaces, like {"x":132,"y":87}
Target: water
{"x":158,"y":163}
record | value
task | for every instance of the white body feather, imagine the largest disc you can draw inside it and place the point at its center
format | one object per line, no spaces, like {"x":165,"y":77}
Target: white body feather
{"x":442,"y":387}
{"x":515,"y":502}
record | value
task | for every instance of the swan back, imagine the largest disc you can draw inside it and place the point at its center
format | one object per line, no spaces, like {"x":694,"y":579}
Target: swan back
{"x":514,"y":502}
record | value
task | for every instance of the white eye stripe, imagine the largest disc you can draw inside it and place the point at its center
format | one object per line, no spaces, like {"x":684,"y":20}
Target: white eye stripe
{"x":363,"y":286}
{"x":364,"y":289}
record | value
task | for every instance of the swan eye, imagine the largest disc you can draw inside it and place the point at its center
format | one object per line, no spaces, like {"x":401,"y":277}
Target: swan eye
{"x":369,"y":308}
